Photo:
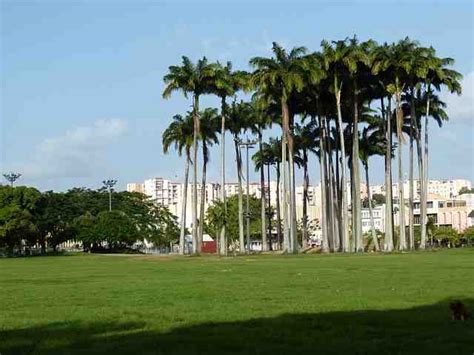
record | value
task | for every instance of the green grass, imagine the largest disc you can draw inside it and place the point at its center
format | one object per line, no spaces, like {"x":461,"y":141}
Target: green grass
{"x":261,"y":304}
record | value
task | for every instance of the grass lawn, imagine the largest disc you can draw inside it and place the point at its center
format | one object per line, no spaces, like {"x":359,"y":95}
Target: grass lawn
{"x":268,"y":304}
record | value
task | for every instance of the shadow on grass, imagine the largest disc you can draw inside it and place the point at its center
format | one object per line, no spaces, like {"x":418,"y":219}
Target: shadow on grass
{"x":421,"y":330}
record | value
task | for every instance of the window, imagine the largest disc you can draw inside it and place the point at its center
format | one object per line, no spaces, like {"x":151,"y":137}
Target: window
{"x":429,"y":204}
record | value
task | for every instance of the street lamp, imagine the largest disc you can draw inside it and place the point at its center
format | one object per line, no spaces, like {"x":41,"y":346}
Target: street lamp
{"x":109,"y":184}
{"x":248,"y":144}
{"x":12,"y":177}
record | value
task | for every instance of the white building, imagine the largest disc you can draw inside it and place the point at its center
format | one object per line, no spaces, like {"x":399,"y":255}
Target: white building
{"x":378,"y":213}
{"x":444,"y":188}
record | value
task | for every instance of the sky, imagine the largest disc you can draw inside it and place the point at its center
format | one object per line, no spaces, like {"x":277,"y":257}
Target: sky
{"x":81,"y":81}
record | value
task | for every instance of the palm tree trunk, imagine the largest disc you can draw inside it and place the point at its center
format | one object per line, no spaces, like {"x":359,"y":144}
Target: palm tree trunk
{"x":411,"y":216}
{"x":284,"y":166}
{"x":269,"y":206}
{"x":182,"y":232}
{"x":424,"y":201}
{"x":344,"y":211}
{"x":420,"y":175}
{"x":327,"y":187}
{"x":195,"y":173}
{"x":203,"y":195}
{"x":223,"y":239}
{"x":293,"y":243}
{"x":335,"y":210}
{"x":357,"y":228}
{"x":278,"y":207}
{"x":262,"y":195}
{"x":238,"y":160}
{"x":388,"y":240}
{"x":322,"y":166}
{"x":371,"y":215}
{"x":304,"y":234}
{"x":401,"y":197}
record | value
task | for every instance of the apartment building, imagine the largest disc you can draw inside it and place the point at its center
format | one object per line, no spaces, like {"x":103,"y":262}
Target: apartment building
{"x":444,"y":188}
{"x":445,"y":212}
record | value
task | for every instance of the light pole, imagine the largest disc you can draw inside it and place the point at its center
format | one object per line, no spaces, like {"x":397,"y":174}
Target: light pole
{"x":109,"y":184}
{"x":12,"y":177}
{"x":248,"y":144}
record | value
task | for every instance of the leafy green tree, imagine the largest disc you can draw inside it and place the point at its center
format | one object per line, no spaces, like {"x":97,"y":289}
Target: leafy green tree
{"x":466,"y":190}
{"x":216,"y":216}
{"x":468,"y":235}
{"x":446,"y":235}
{"x":18,"y":208}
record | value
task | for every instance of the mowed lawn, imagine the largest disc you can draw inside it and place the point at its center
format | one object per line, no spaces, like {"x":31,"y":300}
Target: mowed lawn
{"x":267,"y":304}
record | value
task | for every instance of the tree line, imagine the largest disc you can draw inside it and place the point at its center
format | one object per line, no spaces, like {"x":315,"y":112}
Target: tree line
{"x":342,"y":104}
{"x":29,"y":218}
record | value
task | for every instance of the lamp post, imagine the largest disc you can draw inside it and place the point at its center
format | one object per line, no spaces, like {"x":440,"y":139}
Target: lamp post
{"x":109,"y":184}
{"x":248,"y":144}
{"x":12,"y":177}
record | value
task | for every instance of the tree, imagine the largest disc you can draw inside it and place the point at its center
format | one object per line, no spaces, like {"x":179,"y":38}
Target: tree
{"x":438,"y":76}
{"x":18,"y":207}
{"x":195,"y":79}
{"x":208,"y":136}
{"x":215,"y":214}
{"x":306,"y":141}
{"x":446,"y":235}
{"x":239,"y":121}
{"x":225,"y":84}
{"x":278,"y":77}
{"x":465,"y":190}
{"x":371,"y":143}
{"x":180,"y":134}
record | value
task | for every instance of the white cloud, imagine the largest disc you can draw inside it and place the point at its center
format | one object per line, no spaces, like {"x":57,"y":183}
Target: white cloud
{"x":77,"y":153}
{"x":461,"y":108}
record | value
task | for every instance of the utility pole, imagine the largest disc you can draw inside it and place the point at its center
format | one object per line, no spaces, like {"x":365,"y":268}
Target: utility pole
{"x":248,"y":144}
{"x":12,"y":177}
{"x":109,"y":184}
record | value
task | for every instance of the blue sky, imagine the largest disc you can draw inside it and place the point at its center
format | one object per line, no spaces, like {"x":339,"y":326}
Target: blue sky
{"x":82,"y":80}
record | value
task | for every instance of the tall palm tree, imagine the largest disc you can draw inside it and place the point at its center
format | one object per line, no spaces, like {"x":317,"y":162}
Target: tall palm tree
{"x":279,"y":77}
{"x":237,"y":123}
{"x":372,"y":142}
{"x":379,"y":57}
{"x":261,"y":120}
{"x":437,"y":77}
{"x":226,"y":83}
{"x":194,"y":79}
{"x":264,"y":158}
{"x":333,"y":58}
{"x":208,"y":135}
{"x":275,"y":151}
{"x":394,"y":60}
{"x":306,"y":141}
{"x":180,"y":134}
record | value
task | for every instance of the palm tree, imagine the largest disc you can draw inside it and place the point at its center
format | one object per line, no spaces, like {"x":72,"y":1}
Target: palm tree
{"x":334,"y":59}
{"x":278,"y":77}
{"x":238,"y":122}
{"x":438,"y":76}
{"x":394,"y":60}
{"x":306,"y":141}
{"x":262,"y":120}
{"x":180,"y":134}
{"x":275,"y":152}
{"x":208,"y":136}
{"x":264,"y":158}
{"x":372,"y":142}
{"x":194,"y":79}
{"x":225,"y":84}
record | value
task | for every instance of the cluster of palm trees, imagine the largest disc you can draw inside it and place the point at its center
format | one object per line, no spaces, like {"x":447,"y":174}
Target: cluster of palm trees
{"x":342,"y":104}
